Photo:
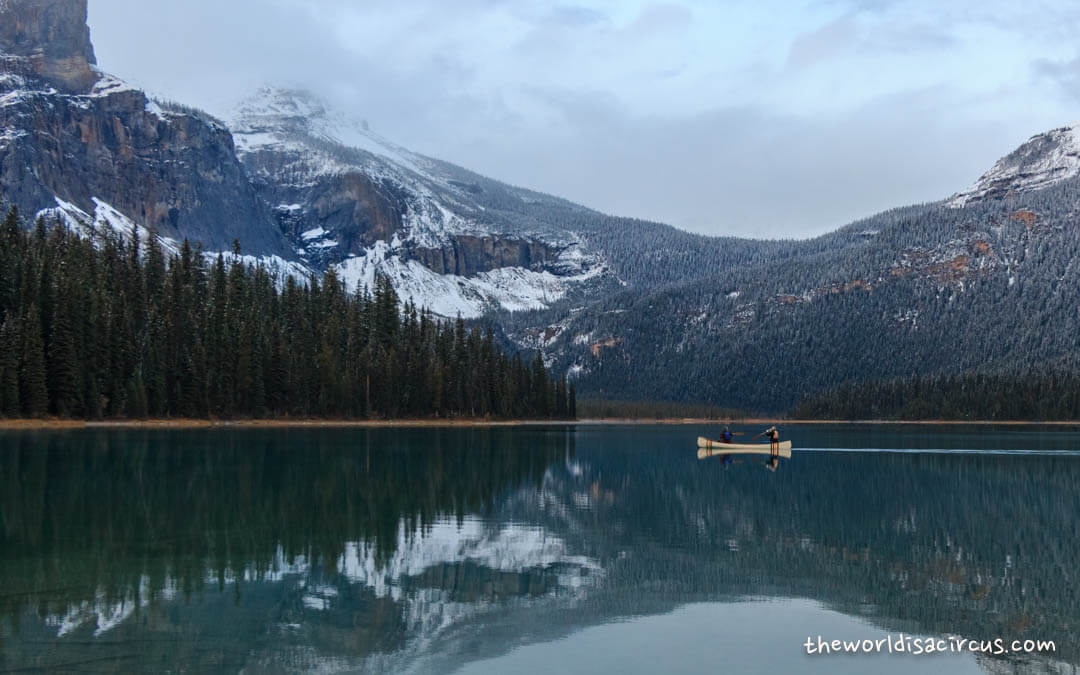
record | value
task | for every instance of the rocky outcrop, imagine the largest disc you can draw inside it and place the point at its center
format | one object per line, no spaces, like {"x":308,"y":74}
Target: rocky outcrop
{"x":1045,"y":159}
{"x":470,"y":255}
{"x":69,"y":132}
{"x":172,"y":171}
{"x":353,"y":205}
{"x":50,"y":39}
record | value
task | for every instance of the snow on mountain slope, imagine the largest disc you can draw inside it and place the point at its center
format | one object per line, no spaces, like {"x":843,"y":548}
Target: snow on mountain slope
{"x":108,"y":221}
{"x":510,"y":288}
{"x":1043,"y":160}
{"x":316,"y":142}
{"x":354,"y":202}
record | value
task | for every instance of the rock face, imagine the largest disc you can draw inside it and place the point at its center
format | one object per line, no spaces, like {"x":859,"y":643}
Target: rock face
{"x":71,"y":133}
{"x":1045,"y":159}
{"x":470,"y":255}
{"x":49,"y":38}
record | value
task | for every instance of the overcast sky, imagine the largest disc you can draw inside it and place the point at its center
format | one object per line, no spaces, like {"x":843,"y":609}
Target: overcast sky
{"x":758,"y":118}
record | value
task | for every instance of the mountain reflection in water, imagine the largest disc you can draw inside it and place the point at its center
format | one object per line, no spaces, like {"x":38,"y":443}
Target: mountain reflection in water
{"x":429,"y":549}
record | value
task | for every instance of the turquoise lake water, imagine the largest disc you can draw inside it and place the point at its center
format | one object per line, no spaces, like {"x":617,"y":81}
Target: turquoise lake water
{"x":538,"y":549}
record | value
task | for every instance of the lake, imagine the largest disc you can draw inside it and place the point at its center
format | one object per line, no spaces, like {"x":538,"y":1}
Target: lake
{"x":587,"y":549}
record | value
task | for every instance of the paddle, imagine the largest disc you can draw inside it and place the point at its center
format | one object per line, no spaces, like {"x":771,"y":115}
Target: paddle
{"x":761,"y":434}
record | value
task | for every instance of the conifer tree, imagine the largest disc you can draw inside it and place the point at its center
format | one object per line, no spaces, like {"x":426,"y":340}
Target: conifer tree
{"x":33,"y":391}
{"x":10,"y":348}
{"x":63,"y":365}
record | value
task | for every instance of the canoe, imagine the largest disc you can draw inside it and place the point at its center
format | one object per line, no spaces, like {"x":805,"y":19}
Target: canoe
{"x":710,"y":448}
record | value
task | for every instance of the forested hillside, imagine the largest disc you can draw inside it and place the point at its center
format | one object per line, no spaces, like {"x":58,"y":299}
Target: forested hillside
{"x":107,"y":327}
{"x":924,"y":291}
{"x":1047,"y":394}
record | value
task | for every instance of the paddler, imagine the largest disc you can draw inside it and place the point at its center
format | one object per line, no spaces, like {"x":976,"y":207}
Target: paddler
{"x":774,"y":438}
{"x":727,"y":437}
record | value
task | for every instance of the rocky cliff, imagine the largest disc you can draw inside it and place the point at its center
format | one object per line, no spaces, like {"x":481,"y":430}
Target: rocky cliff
{"x":49,"y":39}
{"x":1044,"y":160}
{"x":71,"y":136}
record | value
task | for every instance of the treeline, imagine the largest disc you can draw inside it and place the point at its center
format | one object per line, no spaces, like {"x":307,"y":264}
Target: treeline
{"x":103,"y":328}
{"x":601,"y":409}
{"x":1011,"y":396}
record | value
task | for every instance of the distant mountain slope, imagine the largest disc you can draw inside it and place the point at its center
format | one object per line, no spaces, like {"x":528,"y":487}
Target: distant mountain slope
{"x":929,"y":290}
{"x":453,"y":240}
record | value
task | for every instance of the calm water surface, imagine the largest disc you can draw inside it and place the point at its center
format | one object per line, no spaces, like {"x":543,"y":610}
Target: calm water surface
{"x":537,"y":549}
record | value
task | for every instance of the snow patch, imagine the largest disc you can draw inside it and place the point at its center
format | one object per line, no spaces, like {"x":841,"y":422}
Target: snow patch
{"x":108,"y":85}
{"x":109,"y":221}
{"x":511,"y":288}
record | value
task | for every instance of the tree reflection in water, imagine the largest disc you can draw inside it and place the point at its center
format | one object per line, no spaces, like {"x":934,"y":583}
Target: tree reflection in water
{"x":383,"y":548}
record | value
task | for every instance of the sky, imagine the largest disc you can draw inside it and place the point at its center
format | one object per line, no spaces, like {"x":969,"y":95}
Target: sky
{"x":765,"y":118}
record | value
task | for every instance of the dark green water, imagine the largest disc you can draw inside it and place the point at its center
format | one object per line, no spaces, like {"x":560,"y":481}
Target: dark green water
{"x":536,"y":549}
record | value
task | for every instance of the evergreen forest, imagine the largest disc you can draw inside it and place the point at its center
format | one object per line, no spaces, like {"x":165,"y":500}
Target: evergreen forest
{"x":1045,"y":394}
{"x":111,"y":327}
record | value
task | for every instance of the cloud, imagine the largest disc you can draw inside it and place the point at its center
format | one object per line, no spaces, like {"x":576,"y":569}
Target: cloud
{"x":756,"y":118}
{"x":1062,"y":74}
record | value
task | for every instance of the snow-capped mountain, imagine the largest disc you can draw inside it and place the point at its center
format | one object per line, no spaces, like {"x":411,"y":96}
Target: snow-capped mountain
{"x":301,"y":188}
{"x":354,"y":202}
{"x":1045,"y":159}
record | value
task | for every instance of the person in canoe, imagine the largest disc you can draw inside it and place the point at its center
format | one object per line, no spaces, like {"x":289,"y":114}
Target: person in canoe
{"x":727,"y":437}
{"x":774,"y":439}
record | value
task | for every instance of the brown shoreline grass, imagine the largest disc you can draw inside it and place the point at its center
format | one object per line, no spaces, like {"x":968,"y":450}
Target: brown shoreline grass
{"x":283,"y":423}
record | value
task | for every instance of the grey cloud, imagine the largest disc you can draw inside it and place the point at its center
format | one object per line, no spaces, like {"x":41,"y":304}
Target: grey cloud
{"x":576,"y":15}
{"x":737,"y":168}
{"x":660,"y":18}
{"x":823,"y":43}
{"x":1063,"y":75}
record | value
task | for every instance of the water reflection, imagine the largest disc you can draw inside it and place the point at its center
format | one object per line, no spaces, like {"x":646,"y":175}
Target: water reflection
{"x":430,"y":549}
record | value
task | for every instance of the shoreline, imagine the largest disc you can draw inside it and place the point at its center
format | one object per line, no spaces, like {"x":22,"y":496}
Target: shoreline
{"x":285,"y":423}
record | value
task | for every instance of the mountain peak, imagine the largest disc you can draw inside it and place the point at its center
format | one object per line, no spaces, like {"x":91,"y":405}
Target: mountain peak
{"x":49,"y":39}
{"x":1043,"y":160}
{"x":281,"y":109}
{"x":277,"y":115}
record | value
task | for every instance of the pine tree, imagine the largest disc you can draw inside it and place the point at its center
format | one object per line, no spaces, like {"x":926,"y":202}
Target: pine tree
{"x":33,"y":391}
{"x":63,"y":366}
{"x":10,"y":349}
